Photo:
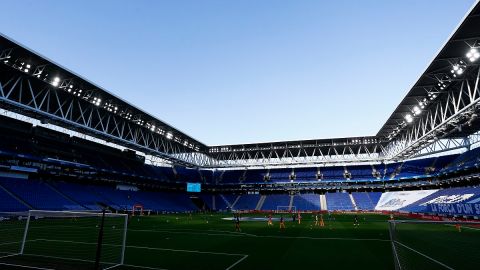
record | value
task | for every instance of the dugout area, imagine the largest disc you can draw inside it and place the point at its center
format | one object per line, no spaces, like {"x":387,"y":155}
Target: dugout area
{"x":208,"y":241}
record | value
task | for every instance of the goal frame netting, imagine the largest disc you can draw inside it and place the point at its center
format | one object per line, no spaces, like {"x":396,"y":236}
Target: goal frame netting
{"x":286,"y":209}
{"x":396,"y":243}
{"x":44,"y":214}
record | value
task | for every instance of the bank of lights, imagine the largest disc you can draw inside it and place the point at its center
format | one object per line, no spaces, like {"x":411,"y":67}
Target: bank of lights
{"x":422,"y":103}
{"x":56,"y":81}
{"x":458,"y":69}
{"x":97,"y":101}
{"x":442,"y":85}
{"x":473,"y":54}
{"x":409,"y":118}
{"x":416,"y":110}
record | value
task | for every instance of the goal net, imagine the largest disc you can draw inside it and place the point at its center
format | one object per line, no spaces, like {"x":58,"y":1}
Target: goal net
{"x":75,"y":236}
{"x":435,"y":244}
{"x":286,"y":209}
{"x":12,"y":226}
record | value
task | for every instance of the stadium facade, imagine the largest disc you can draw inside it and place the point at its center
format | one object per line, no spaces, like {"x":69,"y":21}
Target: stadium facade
{"x":76,"y":144}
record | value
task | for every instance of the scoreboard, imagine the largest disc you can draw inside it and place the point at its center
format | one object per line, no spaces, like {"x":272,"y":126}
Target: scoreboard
{"x":194,"y":187}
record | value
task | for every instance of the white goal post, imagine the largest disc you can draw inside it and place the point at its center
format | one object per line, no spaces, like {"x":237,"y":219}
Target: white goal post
{"x":286,"y":209}
{"x":75,"y":236}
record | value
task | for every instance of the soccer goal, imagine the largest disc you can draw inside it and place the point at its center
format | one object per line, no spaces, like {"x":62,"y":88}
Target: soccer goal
{"x":434,"y":244}
{"x":83,"y":237}
{"x":12,"y":226}
{"x":286,"y":209}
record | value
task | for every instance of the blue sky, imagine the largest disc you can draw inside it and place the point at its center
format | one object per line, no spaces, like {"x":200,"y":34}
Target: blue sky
{"x":245,"y":71}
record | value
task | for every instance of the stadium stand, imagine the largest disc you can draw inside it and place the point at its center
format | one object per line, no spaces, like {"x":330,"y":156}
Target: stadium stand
{"x":339,"y":201}
{"x":363,"y":201}
{"x":444,"y":196}
{"x":38,"y":194}
{"x":8,"y":203}
{"x":273,"y":200}
{"x":34,"y":150}
{"x":246,"y":202}
{"x":307,"y":202}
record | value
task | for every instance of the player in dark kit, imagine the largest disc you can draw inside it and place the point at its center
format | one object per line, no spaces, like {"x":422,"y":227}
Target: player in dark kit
{"x":282,"y":223}
{"x":237,"y":223}
{"x":355,"y":221}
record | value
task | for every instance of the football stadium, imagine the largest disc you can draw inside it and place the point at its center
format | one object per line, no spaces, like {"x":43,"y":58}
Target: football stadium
{"x":90,"y":181}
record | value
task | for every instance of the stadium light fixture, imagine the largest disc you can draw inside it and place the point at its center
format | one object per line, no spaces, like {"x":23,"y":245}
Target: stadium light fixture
{"x":56,"y":81}
{"x":408,"y":118}
{"x":442,"y":85}
{"x":169,"y":135}
{"x":458,"y":69}
{"x":473,"y":55}
{"x":416,"y":110}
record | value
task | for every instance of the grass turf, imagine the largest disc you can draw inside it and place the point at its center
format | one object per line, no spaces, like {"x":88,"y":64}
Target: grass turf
{"x":207,"y":241}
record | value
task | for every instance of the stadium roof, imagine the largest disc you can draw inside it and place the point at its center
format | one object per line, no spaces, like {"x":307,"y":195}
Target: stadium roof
{"x":429,"y":85}
{"x":13,"y":50}
{"x":35,"y":82}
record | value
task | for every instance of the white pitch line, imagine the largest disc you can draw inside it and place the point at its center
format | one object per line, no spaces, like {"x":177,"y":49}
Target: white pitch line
{"x":188,"y":251}
{"x":60,"y":258}
{"x":9,"y":243}
{"x":113,"y":266}
{"x":244,"y":256}
{"x":193,"y":232}
{"x":140,"y":247}
{"x":465,"y":227}
{"x":90,"y":261}
{"x":426,"y":256}
{"x":237,"y":262}
{"x":10,"y":255}
{"x":12,"y":229}
{"x":265,"y":236}
{"x":134,"y":266}
{"x":143,"y":267}
{"x":323,"y":238}
{"x":25,"y":266}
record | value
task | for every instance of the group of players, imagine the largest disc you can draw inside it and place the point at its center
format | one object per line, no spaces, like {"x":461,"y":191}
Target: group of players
{"x":319,"y":222}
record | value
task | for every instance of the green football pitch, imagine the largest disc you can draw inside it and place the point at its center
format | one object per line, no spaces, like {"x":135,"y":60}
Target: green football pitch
{"x":209,"y":241}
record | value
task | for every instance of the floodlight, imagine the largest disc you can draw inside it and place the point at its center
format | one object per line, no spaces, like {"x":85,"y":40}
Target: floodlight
{"x":416,"y":110}
{"x":473,"y":54}
{"x":408,"y":118}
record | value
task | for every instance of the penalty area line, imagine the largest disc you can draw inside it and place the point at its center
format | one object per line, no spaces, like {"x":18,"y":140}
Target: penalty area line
{"x":141,"y":247}
{"x":9,"y":255}
{"x":208,"y":232}
{"x":237,"y":262}
{"x":134,"y":266}
{"x":426,"y":256}
{"x":25,"y":266}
